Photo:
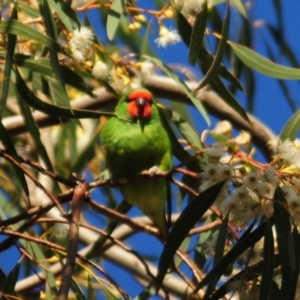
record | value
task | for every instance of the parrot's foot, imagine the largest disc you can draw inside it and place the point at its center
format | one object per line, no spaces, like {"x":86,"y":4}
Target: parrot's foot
{"x":153,"y":170}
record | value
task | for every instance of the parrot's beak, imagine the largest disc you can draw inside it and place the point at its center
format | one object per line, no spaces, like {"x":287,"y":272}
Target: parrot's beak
{"x":140,"y":102}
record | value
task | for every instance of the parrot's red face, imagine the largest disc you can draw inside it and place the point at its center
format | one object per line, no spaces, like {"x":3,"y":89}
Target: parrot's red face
{"x":139,"y":104}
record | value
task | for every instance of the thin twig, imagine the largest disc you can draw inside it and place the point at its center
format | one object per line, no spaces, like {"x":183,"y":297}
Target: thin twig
{"x":34,"y":180}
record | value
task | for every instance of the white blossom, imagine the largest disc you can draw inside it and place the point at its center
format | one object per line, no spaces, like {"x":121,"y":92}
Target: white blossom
{"x":167,"y":37}
{"x":80,"y":43}
{"x":289,"y":153}
{"x":79,"y":56}
{"x":100,"y":70}
{"x":243,"y":139}
{"x":223,"y":127}
{"x":82,"y":39}
{"x":215,"y":152}
{"x":147,"y":68}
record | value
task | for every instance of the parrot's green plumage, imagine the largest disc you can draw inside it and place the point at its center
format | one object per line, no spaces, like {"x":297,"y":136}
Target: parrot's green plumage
{"x":134,"y":141}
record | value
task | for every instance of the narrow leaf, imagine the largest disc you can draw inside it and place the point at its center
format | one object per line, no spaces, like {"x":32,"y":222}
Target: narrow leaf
{"x":43,"y":66}
{"x":66,"y":14}
{"x":188,"y":218}
{"x":198,"y":34}
{"x":285,"y":242}
{"x":205,"y":59}
{"x":220,"y":52}
{"x":10,"y":49}
{"x":55,"y":111}
{"x":268,"y":263}
{"x":34,"y":131}
{"x":10,"y":148}
{"x":182,"y":84}
{"x":259,"y":63}
{"x":291,"y":129}
{"x":17,"y":28}
{"x":113,"y":18}
{"x":10,"y":282}
{"x":51,"y":31}
{"x":231,"y":256}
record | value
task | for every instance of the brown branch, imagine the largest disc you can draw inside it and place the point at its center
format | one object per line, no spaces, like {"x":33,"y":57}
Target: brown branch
{"x":18,"y":235}
{"x":160,"y":87}
{"x":34,"y":180}
{"x":76,"y":203}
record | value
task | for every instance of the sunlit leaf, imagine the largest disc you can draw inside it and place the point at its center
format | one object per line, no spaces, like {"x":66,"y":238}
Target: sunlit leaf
{"x":205,"y":59}
{"x":291,"y":129}
{"x":182,"y":84}
{"x":52,"y":110}
{"x":261,"y":64}
{"x":43,"y":66}
{"x":10,"y":49}
{"x":213,"y":69}
{"x":114,"y":16}
{"x":66,"y":14}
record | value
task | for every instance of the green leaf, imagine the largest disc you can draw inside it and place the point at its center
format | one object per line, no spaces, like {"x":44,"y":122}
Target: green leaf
{"x":268,"y":263}
{"x":205,"y":59}
{"x":2,"y":278}
{"x":224,"y":93}
{"x":10,"y":148}
{"x":213,"y":69}
{"x":285,"y":243}
{"x":10,"y":49}
{"x":66,"y":14}
{"x":55,"y":111}
{"x":219,"y":252}
{"x":259,"y":63}
{"x":51,"y":31}
{"x":237,"y":3}
{"x":35,"y":251}
{"x":242,"y":245}
{"x":291,"y":129}
{"x":114,"y":15}
{"x":17,"y":28}
{"x":29,"y":10}
{"x":250,"y":273}
{"x":187,"y":219}
{"x":77,"y":290}
{"x":122,"y":208}
{"x":34,"y":131}
{"x":43,"y":66}
{"x":198,"y":33}
{"x":9,"y":283}
{"x":185,"y":129}
{"x":181,"y":83}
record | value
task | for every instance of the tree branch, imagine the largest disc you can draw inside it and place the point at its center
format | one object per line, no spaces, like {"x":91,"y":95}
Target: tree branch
{"x":160,"y":87}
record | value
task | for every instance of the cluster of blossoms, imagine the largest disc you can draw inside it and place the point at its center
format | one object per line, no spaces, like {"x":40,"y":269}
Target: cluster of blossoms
{"x":81,"y":43}
{"x":250,"y":187}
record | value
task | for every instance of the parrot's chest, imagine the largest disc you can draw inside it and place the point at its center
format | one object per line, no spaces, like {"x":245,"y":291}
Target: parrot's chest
{"x":133,"y":149}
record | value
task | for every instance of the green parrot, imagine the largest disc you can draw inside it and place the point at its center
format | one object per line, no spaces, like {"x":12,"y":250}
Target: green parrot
{"x":134,"y":140}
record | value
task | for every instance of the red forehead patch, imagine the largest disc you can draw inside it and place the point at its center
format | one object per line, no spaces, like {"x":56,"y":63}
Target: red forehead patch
{"x":134,"y":110}
{"x":140,"y":94}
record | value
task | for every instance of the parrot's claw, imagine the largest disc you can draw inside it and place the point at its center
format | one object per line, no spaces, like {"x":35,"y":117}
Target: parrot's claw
{"x":153,"y":170}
